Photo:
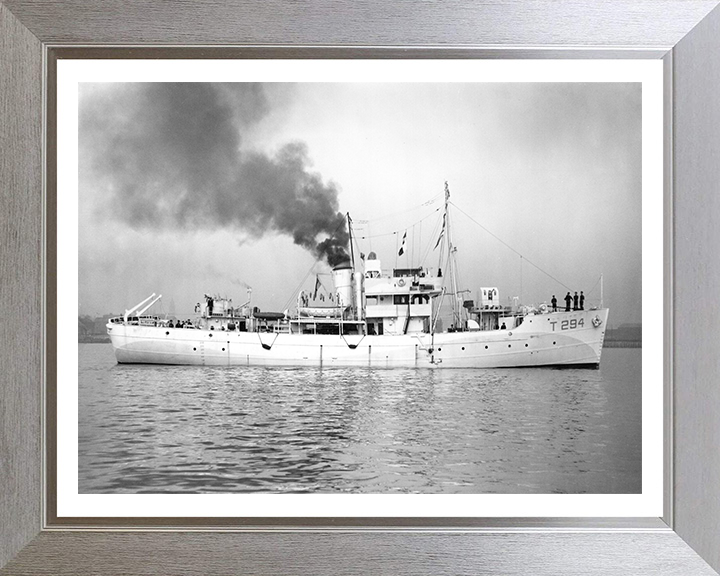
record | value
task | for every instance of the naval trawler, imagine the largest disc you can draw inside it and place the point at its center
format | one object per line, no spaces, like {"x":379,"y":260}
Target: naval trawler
{"x":377,"y":319}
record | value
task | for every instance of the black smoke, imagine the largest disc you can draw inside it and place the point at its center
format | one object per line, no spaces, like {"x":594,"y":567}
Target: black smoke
{"x":171,"y":156}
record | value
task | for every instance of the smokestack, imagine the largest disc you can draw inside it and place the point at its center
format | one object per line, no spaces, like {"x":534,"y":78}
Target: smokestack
{"x":171,"y":156}
{"x":343,"y":281}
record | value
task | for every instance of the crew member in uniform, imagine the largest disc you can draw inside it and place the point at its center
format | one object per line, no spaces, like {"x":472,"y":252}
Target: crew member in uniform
{"x":568,"y":299}
{"x":575,"y":301}
{"x":582,"y":301}
{"x":554,"y":303}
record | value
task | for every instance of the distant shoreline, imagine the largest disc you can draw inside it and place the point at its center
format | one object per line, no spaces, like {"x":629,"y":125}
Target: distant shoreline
{"x":94,"y":339}
{"x":622,"y":344}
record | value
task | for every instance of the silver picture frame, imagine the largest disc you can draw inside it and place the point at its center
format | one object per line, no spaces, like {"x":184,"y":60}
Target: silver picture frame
{"x":684,"y":34}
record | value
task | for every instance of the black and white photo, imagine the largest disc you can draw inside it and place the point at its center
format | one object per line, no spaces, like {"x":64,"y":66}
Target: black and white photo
{"x":360,"y":287}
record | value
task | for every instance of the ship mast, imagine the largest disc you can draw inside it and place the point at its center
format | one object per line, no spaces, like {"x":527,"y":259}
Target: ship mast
{"x":357,"y":278}
{"x":456,"y":305}
{"x":350,"y":240}
{"x":447,"y":239}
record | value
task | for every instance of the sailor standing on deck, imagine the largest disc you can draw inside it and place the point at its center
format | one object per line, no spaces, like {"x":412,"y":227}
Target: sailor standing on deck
{"x":554,"y":303}
{"x":568,"y":299}
{"x":575,"y":301}
{"x":582,"y":301}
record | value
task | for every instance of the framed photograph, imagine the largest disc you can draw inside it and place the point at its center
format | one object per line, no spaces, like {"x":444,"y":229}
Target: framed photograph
{"x":440,"y":368}
{"x":199,"y":173}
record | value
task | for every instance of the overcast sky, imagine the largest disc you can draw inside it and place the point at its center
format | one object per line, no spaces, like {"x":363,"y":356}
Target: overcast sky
{"x":194,"y":188}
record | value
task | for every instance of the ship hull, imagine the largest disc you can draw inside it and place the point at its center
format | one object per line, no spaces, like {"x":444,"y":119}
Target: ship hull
{"x":557,"y":339}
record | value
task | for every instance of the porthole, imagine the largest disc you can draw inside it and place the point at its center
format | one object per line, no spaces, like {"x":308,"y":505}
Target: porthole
{"x":526,"y":345}
{"x":463,"y":347}
{"x":486,"y":347}
{"x":167,"y":333}
{"x":194,"y":349}
{"x":210,"y":335}
{"x":439,"y":349}
{"x":554,"y":343}
{"x":223,"y":350}
{"x":509,"y":345}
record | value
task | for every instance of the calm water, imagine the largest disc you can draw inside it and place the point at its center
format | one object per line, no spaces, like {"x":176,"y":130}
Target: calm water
{"x":153,"y":429}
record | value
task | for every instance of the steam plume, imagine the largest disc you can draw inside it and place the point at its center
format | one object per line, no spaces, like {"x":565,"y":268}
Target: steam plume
{"x":171,"y":153}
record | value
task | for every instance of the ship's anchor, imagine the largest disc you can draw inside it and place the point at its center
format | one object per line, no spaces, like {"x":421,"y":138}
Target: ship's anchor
{"x":596,"y":321}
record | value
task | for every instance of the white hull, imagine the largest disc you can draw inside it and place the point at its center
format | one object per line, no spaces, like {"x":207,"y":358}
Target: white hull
{"x":557,"y":339}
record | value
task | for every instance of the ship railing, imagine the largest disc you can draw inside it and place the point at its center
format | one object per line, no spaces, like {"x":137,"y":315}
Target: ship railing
{"x":130,"y":320}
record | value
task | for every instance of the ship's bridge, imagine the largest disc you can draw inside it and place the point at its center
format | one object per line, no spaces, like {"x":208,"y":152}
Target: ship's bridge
{"x":398,"y":302}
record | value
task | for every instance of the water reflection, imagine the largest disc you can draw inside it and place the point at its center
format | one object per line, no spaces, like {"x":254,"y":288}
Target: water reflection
{"x":157,"y":429}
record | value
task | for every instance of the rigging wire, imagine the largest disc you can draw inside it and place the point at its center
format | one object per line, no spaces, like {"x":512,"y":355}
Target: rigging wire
{"x":587,"y":294}
{"x":595,"y":286}
{"x":297,"y":290}
{"x":293,"y":294}
{"x":398,"y":231}
{"x":430,"y":247}
{"x":510,"y":247}
{"x":396,"y":249}
{"x":392,"y":214}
